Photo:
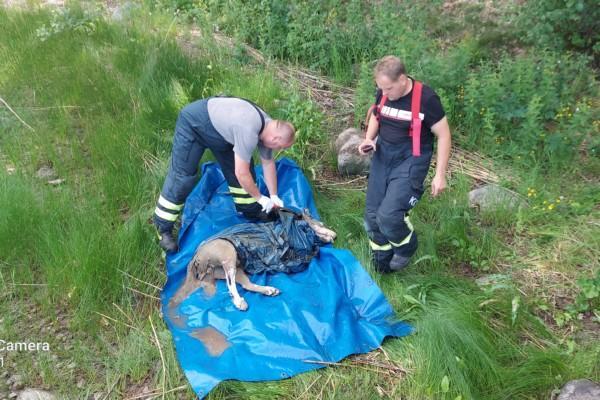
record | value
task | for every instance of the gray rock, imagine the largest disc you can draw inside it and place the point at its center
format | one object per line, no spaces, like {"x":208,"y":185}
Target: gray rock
{"x":490,"y":197}
{"x":350,"y":161}
{"x":14,"y":381}
{"x":581,"y":389}
{"x":344,"y":137}
{"x":124,"y":11}
{"x":46,"y":172}
{"x":35,"y":394}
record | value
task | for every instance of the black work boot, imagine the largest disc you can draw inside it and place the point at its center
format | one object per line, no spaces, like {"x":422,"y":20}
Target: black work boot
{"x":168,"y":242}
{"x":381,"y":261}
{"x":398,"y":262}
{"x":401,"y":261}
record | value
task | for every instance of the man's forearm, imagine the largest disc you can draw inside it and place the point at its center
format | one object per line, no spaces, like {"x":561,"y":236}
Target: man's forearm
{"x":372,"y":128}
{"x":443,"y":154}
{"x":248,"y":184}
{"x":270,"y":173}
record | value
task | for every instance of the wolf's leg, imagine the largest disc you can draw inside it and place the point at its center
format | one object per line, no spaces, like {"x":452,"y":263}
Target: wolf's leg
{"x":242,"y":279}
{"x":230,"y":271}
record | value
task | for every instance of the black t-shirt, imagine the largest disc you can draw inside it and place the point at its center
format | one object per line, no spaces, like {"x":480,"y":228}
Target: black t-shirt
{"x":395,"y":118}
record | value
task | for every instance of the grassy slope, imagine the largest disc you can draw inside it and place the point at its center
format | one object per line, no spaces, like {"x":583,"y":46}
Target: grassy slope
{"x":102,"y":99}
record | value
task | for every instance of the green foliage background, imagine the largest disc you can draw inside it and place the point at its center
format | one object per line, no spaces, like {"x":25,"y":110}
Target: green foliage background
{"x":492,"y":74}
{"x":519,"y":86}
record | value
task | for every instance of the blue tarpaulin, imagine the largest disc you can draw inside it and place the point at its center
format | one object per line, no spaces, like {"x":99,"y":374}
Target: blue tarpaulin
{"x":325,"y":313}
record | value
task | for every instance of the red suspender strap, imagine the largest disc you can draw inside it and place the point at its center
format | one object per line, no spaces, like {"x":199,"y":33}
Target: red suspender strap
{"x":365,"y":124}
{"x":372,"y":108}
{"x":380,"y":105}
{"x":415,"y":126}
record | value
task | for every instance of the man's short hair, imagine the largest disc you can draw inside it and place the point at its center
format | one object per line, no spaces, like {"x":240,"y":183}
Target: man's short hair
{"x":286,"y":129}
{"x":390,"y":66}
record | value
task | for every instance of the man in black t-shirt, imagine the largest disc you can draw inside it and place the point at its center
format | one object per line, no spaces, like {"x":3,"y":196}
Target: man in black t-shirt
{"x":400,"y":162}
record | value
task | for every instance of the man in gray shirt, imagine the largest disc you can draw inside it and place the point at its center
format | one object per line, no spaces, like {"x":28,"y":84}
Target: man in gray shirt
{"x":231,"y":128}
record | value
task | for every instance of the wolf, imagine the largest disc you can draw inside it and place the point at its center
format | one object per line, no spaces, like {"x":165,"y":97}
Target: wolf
{"x":285,"y":245}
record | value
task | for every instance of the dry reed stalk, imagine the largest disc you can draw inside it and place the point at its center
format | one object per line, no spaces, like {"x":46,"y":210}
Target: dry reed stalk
{"x":155,"y":393}
{"x":15,"y":114}
{"x":124,"y":313}
{"x":111,"y":388}
{"x":309,"y":386}
{"x":335,"y":364}
{"x":139,"y":280}
{"x":162,"y":358}
{"x":323,"y":387}
{"x":120,"y":322}
{"x":142,"y":293}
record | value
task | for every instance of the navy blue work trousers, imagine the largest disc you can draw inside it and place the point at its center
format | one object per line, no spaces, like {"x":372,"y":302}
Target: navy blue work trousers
{"x":194,"y":133}
{"x":395,"y":186}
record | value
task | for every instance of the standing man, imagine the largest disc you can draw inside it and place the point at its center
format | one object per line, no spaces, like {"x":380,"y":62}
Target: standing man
{"x":231,"y":128}
{"x":405,"y":117}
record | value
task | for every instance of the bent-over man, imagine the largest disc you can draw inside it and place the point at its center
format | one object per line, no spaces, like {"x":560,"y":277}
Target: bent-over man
{"x":232,"y":128}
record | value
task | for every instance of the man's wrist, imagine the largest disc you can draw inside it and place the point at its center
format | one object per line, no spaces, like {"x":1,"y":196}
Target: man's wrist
{"x":440,"y":173}
{"x":440,"y":178}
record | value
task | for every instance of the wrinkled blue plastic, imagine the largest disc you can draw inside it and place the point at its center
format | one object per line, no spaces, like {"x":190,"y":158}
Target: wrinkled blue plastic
{"x":325,"y":313}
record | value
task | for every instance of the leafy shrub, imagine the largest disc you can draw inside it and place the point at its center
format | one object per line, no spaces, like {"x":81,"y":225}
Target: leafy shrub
{"x":588,"y":298}
{"x":310,"y":138}
{"x":513,"y":108}
{"x":70,"y":19}
{"x":563,"y":24}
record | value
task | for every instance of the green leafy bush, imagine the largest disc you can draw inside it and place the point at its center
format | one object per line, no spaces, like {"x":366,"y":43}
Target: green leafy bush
{"x":563,"y":24}
{"x":310,"y":138}
{"x":588,"y":298}
{"x":529,"y":108}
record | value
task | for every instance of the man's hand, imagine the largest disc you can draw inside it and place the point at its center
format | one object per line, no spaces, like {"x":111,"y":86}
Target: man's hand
{"x":438,"y":184}
{"x":366,"y":146}
{"x":266,"y":203}
{"x":277,"y":202}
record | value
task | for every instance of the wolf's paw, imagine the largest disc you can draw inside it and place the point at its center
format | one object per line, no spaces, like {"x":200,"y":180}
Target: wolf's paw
{"x":271,"y":291}
{"x":240,"y":304}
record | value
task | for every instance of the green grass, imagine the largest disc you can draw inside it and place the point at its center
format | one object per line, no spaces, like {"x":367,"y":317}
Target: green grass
{"x":103,"y":97}
{"x":467,"y":343}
